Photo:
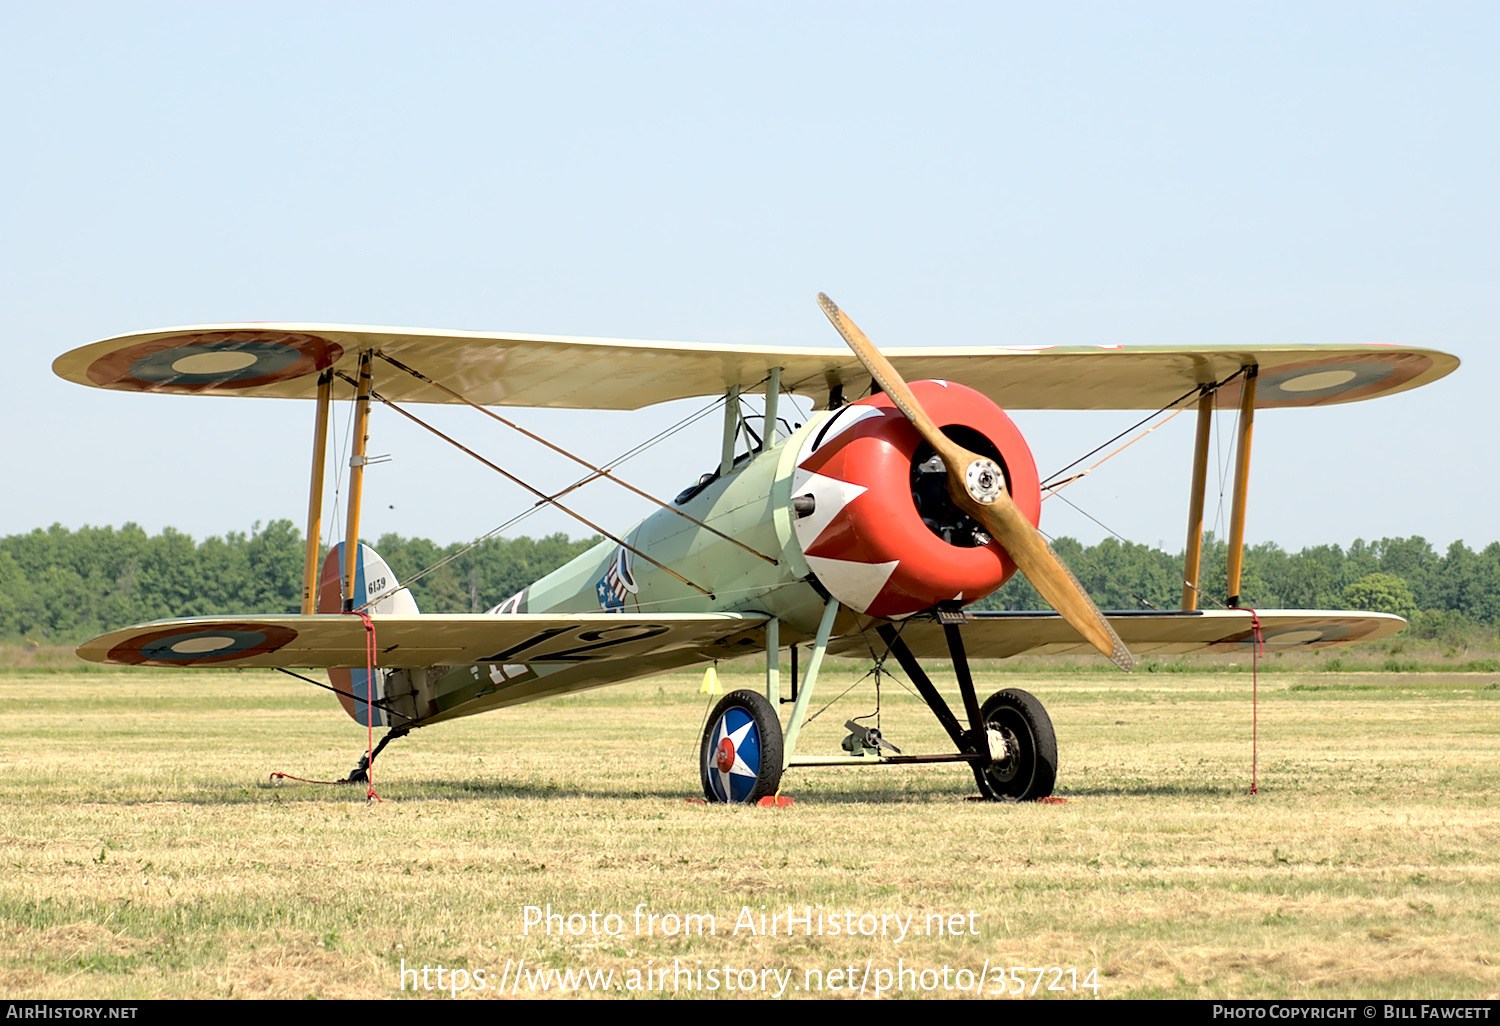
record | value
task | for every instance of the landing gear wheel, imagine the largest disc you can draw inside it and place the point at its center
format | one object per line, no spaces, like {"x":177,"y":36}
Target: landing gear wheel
{"x":1029,"y":769}
{"x":740,"y":759}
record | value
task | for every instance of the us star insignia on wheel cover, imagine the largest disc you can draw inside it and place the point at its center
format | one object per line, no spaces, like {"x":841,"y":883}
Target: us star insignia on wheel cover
{"x":735,"y":756}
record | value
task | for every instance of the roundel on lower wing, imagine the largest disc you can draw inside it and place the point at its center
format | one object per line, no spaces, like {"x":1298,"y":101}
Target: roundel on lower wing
{"x":199,"y":646}
{"x":215,"y":361}
{"x":1297,"y":636}
{"x":735,"y":765}
{"x":865,"y":540}
{"x":1333,"y":380}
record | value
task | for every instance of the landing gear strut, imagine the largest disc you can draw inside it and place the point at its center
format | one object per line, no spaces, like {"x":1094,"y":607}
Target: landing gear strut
{"x":361,"y":773}
{"x":1010,"y":742}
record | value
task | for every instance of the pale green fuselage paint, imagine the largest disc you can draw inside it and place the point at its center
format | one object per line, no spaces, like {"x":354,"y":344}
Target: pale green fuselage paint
{"x":753,"y":503}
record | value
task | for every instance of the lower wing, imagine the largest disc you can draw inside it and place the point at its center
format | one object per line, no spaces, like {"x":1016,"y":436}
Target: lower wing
{"x":999,"y":635}
{"x":437,"y":667}
{"x":324,"y":640}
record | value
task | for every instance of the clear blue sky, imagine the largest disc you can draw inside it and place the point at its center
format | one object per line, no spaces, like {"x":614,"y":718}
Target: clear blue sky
{"x":996,"y":173}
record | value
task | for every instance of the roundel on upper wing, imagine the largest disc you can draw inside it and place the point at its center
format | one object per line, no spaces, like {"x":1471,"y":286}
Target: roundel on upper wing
{"x":1338,"y":379}
{"x":201,"y":646}
{"x":215,"y":361}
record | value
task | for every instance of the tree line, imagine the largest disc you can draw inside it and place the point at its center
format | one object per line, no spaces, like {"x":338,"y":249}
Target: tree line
{"x":59,"y":585}
{"x":1440,"y":594}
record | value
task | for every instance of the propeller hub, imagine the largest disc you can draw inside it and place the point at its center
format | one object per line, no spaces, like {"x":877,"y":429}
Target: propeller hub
{"x":984,"y":486}
{"x":984,"y":480}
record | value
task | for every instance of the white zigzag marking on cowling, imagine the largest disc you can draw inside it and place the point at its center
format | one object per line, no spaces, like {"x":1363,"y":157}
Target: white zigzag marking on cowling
{"x":830,"y":496}
{"x":853,"y":583}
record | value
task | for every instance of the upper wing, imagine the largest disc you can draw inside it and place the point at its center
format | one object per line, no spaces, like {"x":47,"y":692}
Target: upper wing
{"x":285,"y":360}
{"x":335,"y":640}
{"x":1000,"y":635}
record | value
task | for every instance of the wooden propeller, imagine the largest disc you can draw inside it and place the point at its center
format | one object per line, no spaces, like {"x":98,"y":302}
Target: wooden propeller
{"x":977,"y":486}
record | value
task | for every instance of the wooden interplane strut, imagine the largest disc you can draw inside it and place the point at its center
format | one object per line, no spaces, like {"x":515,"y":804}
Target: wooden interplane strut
{"x":315,"y":494}
{"x":1193,"y":559}
{"x":1241,"y":486}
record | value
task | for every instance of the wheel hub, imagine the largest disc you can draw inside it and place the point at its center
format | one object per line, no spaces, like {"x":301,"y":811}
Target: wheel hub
{"x":724,"y":757}
{"x":1000,"y":747}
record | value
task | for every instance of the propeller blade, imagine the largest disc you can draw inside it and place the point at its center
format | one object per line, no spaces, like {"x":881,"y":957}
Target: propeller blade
{"x":977,"y":486}
{"x":1048,"y":574}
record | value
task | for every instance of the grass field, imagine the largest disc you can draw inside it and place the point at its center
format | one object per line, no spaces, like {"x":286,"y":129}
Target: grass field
{"x":148,"y":856}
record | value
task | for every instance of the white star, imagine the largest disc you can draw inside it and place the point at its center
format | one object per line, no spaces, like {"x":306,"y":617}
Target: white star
{"x":739,"y":768}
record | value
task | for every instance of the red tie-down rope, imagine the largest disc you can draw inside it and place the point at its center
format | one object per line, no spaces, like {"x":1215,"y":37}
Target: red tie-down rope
{"x":1256,"y":649}
{"x":370,"y":650}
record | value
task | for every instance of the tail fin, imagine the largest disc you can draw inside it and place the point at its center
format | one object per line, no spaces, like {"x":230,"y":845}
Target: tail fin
{"x":375,"y":591}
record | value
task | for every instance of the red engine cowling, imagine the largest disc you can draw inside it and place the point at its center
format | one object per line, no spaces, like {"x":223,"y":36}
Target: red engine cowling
{"x":883,"y":537}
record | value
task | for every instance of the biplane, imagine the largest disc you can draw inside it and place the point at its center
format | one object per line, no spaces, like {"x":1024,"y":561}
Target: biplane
{"x":868,"y":528}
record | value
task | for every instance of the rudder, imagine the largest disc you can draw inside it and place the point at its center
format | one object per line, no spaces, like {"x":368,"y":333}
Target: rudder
{"x":376,"y":590}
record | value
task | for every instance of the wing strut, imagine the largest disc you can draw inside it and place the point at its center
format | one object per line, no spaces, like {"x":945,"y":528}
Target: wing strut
{"x":731,"y":429}
{"x":315,"y":495}
{"x":1241,"y":486}
{"x":357,"y":476}
{"x":1193,"y":559}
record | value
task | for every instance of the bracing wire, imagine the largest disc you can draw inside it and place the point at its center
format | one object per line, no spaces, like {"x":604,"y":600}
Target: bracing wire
{"x":1213,"y":390}
{"x":631,"y":453}
{"x":341,"y":460}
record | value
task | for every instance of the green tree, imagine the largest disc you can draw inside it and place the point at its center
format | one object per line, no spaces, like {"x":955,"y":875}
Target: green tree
{"x":274,"y":561}
{"x":1381,"y":593}
{"x":1414,"y":561}
{"x":63,"y":584}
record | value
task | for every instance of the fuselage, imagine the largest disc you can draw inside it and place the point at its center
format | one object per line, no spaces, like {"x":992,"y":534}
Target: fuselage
{"x":852,"y":505}
{"x":849,"y":508}
{"x":752,"y":504}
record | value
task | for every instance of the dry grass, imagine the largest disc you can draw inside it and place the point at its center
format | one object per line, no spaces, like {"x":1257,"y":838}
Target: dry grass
{"x":149,"y":857}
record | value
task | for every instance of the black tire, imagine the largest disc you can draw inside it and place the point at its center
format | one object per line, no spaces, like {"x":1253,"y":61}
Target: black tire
{"x":740,"y":757}
{"x":1029,"y":771}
